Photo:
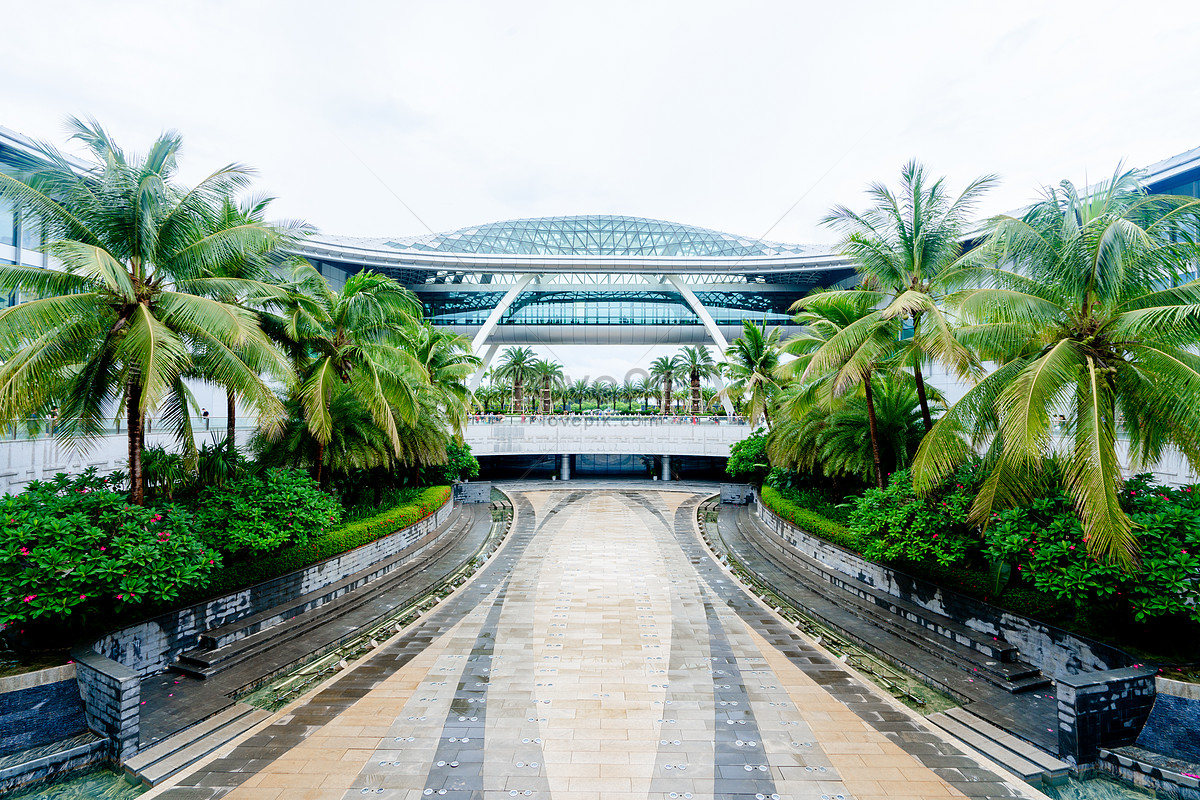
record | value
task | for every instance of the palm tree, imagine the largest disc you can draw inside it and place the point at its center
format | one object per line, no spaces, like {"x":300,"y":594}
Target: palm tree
{"x":448,"y":363}
{"x":663,"y":371}
{"x":550,"y":376}
{"x":750,"y":365}
{"x":697,"y":363}
{"x":645,"y":389}
{"x":1081,"y":302}
{"x":254,"y":265}
{"x":356,"y":337}
{"x":909,"y":245}
{"x":132,"y":304}
{"x":579,"y":391}
{"x":844,"y":344}
{"x":516,"y":366}
{"x":708,"y":398}
{"x":835,"y":441}
{"x":600,"y":388}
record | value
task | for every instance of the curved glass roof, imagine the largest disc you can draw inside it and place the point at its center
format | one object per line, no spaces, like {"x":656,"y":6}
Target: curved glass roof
{"x":599,"y":235}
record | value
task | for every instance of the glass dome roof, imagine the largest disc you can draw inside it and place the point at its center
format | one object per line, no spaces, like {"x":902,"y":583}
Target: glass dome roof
{"x":599,"y":235}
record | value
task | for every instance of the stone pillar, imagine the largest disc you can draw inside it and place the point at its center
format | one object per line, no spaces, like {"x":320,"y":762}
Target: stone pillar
{"x":666,"y":468}
{"x":111,"y":694}
{"x":1102,"y":710}
{"x":564,"y":470}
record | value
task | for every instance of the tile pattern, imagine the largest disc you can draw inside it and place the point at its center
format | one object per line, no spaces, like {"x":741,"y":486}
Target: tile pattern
{"x":600,"y":654}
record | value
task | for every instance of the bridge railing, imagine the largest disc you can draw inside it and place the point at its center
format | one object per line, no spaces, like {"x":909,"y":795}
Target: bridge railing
{"x":46,"y":427}
{"x":603,"y":419}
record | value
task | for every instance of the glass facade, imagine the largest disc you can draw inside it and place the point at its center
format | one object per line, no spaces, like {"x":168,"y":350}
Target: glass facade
{"x":599,"y":235}
{"x":8,"y":222}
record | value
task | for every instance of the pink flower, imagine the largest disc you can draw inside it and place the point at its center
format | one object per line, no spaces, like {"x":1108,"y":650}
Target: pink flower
{"x":1072,"y":547}
{"x":120,"y":597}
{"x":31,"y":598}
{"x":83,"y":597}
{"x":102,"y":549}
{"x":24,"y":551}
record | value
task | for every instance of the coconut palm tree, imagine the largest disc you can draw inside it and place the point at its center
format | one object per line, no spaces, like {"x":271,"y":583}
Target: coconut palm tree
{"x":516,"y":367}
{"x":908,"y":246}
{"x":356,"y":337}
{"x":697,"y":363}
{"x":1087,"y":302}
{"x":645,"y":390}
{"x":843,"y":346}
{"x":663,"y":371}
{"x":750,"y":365}
{"x":449,"y":363}
{"x":132,"y":304}
{"x":549,"y":375}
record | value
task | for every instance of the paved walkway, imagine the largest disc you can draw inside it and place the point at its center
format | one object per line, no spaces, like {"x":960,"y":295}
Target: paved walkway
{"x":601,"y":654}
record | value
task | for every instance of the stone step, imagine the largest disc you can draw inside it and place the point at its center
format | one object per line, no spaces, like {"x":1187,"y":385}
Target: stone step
{"x":247,"y":626}
{"x":203,"y":662}
{"x":1014,"y":763}
{"x":153,"y":766}
{"x":1011,"y":675}
{"x":1054,"y":768}
{"x":992,"y":647}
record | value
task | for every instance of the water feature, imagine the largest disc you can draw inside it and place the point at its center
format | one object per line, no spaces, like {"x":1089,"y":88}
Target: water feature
{"x":100,"y":784}
{"x":1100,"y":787}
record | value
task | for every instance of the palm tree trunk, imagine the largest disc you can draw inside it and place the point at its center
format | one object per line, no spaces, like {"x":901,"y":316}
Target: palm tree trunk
{"x":230,"y":418}
{"x":133,"y":412}
{"x":516,"y":406}
{"x":666,"y":404}
{"x":320,"y":459}
{"x":547,"y":400}
{"x":875,"y":454}
{"x":925,"y":417}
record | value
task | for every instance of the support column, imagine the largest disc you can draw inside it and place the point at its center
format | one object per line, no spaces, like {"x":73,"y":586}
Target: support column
{"x":710,"y":326}
{"x":666,"y":468}
{"x":564,"y":470}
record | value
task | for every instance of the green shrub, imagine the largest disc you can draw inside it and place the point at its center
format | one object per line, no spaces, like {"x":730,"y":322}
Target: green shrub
{"x":260,"y":513}
{"x":896,"y":524}
{"x":460,"y":466}
{"x":73,"y":546}
{"x":1045,"y":543}
{"x":807,"y":520}
{"x":331,"y":543}
{"x":748,"y":459}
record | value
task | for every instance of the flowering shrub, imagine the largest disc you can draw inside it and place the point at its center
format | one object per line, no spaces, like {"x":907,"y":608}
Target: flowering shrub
{"x":261,"y":513}
{"x":73,"y":545}
{"x":1046,"y":544}
{"x":897,"y":524}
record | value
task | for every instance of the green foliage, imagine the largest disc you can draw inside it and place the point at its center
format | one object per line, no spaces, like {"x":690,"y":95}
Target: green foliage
{"x":808,"y":520}
{"x":460,"y":465}
{"x":72,"y":545}
{"x":331,"y":543}
{"x":261,"y":513}
{"x":748,"y":459}
{"x":1047,"y":544}
{"x":897,"y":524}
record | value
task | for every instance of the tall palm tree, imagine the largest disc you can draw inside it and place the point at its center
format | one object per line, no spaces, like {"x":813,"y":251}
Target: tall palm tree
{"x":579,"y":391}
{"x":516,"y":367}
{"x":1087,"y":302}
{"x":909,"y":245}
{"x":645,"y":390}
{"x":843,"y":345}
{"x":697,"y":363}
{"x":601,"y":388}
{"x":750,"y":365}
{"x":356,"y":337}
{"x":549,"y":375}
{"x":255,"y":266}
{"x":132,"y":304}
{"x":448,"y":363}
{"x":663,"y":371}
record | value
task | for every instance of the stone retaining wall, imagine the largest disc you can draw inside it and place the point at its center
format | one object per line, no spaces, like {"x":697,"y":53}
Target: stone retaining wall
{"x":112,"y":695}
{"x":1054,"y":651}
{"x":1102,"y":710}
{"x":149,"y":647}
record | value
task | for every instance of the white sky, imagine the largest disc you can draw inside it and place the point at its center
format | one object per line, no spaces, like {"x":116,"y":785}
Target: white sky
{"x":723,"y":115}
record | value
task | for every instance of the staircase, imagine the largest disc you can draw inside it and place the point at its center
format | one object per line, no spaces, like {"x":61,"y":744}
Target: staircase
{"x":309,"y":625}
{"x":154,"y":765}
{"x":1013,"y":754}
{"x":985,"y":657}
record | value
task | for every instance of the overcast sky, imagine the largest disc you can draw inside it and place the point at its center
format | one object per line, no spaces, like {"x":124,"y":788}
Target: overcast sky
{"x":750,"y":118}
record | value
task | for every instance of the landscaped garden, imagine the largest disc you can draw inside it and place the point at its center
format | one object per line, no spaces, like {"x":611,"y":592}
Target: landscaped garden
{"x":358,"y":403}
{"x":1075,"y":327}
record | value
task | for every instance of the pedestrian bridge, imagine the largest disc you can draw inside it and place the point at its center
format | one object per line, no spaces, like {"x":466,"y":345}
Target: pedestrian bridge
{"x":569,"y":435}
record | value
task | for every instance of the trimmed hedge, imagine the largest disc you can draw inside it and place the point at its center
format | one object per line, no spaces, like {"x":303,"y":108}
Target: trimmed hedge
{"x":336,"y":541}
{"x":808,"y":521}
